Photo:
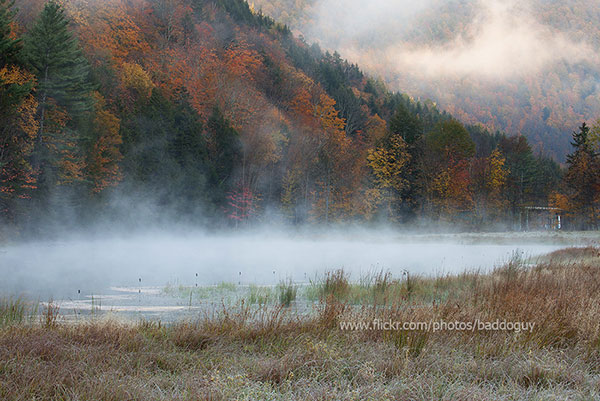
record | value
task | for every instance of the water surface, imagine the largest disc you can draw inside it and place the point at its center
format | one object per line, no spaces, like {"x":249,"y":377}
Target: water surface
{"x":69,"y":268}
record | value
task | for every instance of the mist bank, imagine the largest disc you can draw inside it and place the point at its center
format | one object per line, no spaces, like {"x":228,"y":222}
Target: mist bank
{"x":124,"y":221}
{"x":92,"y":263}
{"x":495,"y":40}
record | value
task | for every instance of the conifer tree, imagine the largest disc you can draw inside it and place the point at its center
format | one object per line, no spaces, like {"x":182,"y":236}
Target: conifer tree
{"x":410,"y":128}
{"x":18,"y":126}
{"x":406,"y":125}
{"x":227,"y":146}
{"x":521,"y":164}
{"x":9,"y":47}
{"x":54,"y":56}
{"x":582,"y":177}
{"x":64,"y":99}
{"x":11,"y":94}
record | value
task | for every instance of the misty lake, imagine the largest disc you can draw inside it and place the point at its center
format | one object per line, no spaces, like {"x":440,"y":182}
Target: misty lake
{"x":61,"y":269}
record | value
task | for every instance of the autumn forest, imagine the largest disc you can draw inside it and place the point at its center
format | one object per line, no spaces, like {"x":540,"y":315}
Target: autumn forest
{"x":211,"y":112}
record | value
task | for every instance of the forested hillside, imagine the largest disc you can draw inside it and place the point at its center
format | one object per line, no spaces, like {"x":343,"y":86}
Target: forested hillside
{"x":213,"y":112}
{"x":526,"y":67}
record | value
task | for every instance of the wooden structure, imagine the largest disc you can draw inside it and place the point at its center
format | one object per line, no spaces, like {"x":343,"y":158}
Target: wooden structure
{"x":535,"y":218}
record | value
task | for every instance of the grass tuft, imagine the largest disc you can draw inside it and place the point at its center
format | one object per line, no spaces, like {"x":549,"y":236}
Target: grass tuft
{"x":287,"y":292}
{"x":13,"y":311}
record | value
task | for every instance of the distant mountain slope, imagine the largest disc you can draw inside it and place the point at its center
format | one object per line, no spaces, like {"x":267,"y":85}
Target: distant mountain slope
{"x":210,"y":104}
{"x":209,"y":110}
{"x":526,"y":67}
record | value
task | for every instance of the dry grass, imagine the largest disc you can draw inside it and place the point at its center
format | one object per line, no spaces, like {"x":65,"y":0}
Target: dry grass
{"x":270,"y":353}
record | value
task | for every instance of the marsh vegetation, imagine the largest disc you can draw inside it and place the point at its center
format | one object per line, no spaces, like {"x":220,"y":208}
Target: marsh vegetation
{"x":264,"y":350}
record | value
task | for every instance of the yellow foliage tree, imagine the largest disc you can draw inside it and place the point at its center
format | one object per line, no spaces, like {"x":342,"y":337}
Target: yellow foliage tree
{"x":387,"y":166}
{"x":496,"y":181}
{"x":332,"y":200}
{"x":134,"y":77}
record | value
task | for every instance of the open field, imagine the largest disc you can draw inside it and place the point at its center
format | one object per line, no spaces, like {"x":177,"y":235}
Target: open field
{"x":252,"y":351}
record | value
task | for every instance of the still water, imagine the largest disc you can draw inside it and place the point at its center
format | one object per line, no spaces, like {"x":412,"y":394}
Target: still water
{"x":64,"y":268}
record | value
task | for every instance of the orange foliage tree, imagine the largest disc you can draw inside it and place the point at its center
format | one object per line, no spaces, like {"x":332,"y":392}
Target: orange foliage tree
{"x":18,"y":131}
{"x":451,"y":190}
{"x":103,"y":160}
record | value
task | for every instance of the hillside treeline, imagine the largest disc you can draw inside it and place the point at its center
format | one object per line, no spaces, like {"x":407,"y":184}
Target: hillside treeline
{"x":544,"y":107}
{"x":216,"y":113}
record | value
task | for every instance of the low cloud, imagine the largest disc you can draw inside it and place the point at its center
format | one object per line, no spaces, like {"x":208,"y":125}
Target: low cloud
{"x":338,"y":23}
{"x":501,"y":39}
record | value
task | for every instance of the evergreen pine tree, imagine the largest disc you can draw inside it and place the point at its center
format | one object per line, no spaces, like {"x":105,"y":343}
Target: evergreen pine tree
{"x":580,"y":143}
{"x":54,"y":56}
{"x":410,"y":128}
{"x":520,"y":163}
{"x":17,"y":124}
{"x":63,"y":94}
{"x":407,"y":125}
{"x":9,"y":46}
{"x":582,"y":178}
{"x":228,"y":147}
{"x":12,"y":94}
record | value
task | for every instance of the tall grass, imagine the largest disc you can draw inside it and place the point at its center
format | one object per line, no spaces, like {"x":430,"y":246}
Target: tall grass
{"x":334,"y":285}
{"x":259,"y":295}
{"x":379,"y":288}
{"x":50,"y":315}
{"x":287,"y":292}
{"x":14,"y":311}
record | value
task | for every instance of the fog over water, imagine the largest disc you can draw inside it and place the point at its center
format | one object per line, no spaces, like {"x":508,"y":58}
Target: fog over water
{"x":58,"y":268}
